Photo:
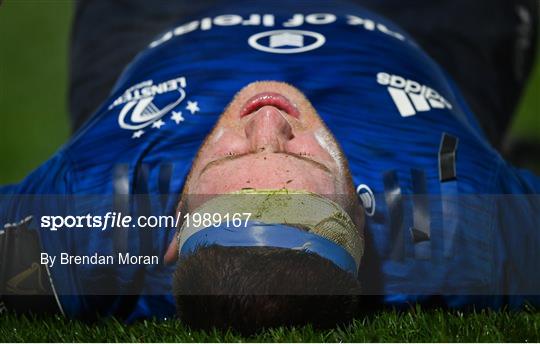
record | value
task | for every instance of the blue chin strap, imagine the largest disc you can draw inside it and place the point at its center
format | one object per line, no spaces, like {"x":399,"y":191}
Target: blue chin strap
{"x":257,"y":234}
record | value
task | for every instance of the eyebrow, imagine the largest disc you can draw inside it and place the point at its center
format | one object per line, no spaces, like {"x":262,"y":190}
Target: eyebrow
{"x":220,"y":161}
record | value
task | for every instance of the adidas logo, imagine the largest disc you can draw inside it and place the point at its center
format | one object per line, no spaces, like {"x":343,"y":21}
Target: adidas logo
{"x":410,"y":96}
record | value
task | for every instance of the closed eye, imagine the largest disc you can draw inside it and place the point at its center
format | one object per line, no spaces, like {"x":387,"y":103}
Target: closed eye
{"x":302,"y":155}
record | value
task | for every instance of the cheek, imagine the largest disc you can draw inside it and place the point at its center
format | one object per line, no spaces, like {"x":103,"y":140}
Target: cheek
{"x":222,"y":143}
{"x":308,"y":143}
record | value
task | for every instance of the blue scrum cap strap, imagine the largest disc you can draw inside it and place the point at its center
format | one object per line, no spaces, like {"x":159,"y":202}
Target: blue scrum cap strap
{"x":256,"y":234}
{"x":306,"y":219}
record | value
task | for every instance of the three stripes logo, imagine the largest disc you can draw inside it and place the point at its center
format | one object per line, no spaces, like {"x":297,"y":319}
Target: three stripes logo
{"x":410,"y":96}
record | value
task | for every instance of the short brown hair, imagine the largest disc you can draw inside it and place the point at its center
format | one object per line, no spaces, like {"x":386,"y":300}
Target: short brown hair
{"x":250,"y":288}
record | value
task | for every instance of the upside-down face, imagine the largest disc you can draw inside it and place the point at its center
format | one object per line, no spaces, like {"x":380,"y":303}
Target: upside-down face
{"x":270,"y":137}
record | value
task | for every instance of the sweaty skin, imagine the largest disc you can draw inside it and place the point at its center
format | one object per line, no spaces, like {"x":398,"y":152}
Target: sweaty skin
{"x":270,"y":137}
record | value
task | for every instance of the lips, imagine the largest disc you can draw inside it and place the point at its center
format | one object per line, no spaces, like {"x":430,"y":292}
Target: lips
{"x":269,"y":99}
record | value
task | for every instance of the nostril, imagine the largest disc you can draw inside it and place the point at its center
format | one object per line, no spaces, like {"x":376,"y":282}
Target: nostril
{"x":268,"y":130}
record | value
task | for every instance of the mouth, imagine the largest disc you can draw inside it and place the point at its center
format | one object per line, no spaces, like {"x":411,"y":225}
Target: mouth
{"x":269,"y":99}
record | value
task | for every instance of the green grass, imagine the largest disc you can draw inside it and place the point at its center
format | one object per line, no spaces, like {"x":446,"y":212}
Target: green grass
{"x":390,"y":326}
{"x":527,"y":120}
{"x":33,"y":79}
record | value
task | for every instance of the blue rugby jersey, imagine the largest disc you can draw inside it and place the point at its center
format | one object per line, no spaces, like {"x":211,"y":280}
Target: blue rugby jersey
{"x":431,"y":184}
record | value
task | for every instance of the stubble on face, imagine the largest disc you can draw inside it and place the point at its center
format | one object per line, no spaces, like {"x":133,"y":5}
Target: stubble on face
{"x":270,"y":148}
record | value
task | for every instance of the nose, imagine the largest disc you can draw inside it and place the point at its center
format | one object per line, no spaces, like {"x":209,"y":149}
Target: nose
{"x":268,"y":130}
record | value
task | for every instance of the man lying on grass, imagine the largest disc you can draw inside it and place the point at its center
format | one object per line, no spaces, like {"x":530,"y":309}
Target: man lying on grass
{"x":357,"y":173}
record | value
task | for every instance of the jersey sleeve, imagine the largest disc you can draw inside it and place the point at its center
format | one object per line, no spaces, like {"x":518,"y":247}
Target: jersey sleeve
{"x":51,"y":178}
